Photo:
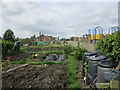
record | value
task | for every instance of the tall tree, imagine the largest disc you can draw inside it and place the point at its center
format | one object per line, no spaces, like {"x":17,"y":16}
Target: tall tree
{"x":9,"y":35}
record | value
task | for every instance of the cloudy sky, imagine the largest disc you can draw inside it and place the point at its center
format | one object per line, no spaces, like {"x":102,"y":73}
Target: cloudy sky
{"x":63,"y":19}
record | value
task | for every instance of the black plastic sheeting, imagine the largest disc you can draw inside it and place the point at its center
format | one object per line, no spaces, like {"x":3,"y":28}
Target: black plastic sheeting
{"x":54,"y":57}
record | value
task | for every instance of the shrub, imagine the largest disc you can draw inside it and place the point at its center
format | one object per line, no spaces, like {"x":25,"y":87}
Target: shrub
{"x":77,"y":52}
{"x":111,"y":46}
{"x":7,"y":48}
{"x":68,"y":49}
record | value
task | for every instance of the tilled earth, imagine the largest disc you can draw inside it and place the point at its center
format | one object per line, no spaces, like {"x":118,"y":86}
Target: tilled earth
{"x":41,"y":76}
{"x":23,"y":56}
{"x":16,"y":56}
{"x":20,"y":56}
{"x":39,"y":57}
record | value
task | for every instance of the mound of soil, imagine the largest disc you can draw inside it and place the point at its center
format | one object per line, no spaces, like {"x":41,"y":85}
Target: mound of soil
{"x":46,"y":76}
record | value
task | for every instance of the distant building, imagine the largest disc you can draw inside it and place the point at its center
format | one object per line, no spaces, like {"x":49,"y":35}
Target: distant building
{"x":77,"y":39}
{"x":51,"y":37}
{"x":56,"y":38}
{"x":44,"y":38}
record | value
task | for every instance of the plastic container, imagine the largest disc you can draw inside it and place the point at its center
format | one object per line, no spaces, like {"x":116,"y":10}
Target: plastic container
{"x":92,"y":67}
{"x":104,"y":66}
{"x":111,"y":75}
{"x":85,"y":60}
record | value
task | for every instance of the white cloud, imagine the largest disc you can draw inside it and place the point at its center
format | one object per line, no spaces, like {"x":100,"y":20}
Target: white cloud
{"x":57,"y":18}
{"x":61,"y":1}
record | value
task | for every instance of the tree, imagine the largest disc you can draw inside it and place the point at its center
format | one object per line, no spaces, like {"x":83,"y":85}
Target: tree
{"x":72,"y":38}
{"x":30,"y":41}
{"x":7,"y":48}
{"x":9,"y":35}
{"x":62,"y":39}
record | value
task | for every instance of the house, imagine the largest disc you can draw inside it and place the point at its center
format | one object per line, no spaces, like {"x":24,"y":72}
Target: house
{"x":51,"y":37}
{"x":44,"y":38}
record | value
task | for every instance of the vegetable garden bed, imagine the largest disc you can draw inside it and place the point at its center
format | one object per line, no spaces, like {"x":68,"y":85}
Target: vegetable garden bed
{"x":31,"y":76}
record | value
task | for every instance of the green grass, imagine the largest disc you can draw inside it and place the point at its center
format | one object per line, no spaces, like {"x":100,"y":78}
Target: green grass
{"x":44,"y":52}
{"x":47,"y":62}
{"x":75,"y":85}
{"x":38,"y":62}
{"x":43,"y":47}
{"x":72,"y":73}
{"x":18,"y":62}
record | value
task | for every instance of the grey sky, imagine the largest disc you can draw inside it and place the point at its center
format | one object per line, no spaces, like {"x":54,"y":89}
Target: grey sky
{"x":63,"y":19}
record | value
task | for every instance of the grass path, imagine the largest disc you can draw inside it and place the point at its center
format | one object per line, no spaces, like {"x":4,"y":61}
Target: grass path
{"x":72,"y":80}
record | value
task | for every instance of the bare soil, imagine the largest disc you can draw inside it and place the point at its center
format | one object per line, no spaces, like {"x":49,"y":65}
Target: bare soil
{"x":20,"y":56}
{"x":40,"y":76}
{"x":39,"y":57}
{"x":23,"y":56}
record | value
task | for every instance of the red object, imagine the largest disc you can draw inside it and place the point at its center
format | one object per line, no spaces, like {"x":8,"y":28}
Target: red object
{"x":89,"y":41}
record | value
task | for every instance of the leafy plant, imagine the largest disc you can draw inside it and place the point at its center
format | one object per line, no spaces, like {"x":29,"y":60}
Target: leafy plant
{"x":79,"y":53}
{"x":76,"y":52}
{"x":7,"y":48}
{"x":111,"y":46}
{"x":68,"y":49}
